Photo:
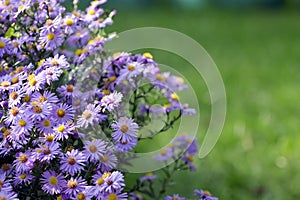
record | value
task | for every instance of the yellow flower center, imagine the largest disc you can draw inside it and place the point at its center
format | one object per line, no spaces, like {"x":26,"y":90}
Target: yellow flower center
{"x":61,"y":128}
{"x":80,"y":196}
{"x":50,"y":36}
{"x":175,"y":97}
{"x":22,"y":123}
{"x":69,"y":22}
{"x":23,"y":158}
{"x":2,"y":45}
{"x":106,"y":92}
{"x":112,"y":197}
{"x":190,"y":158}
{"x":61,"y":113}
{"x":41,"y":62}
{"x":131,"y":67}
{"x":59,"y":197}
{"x":106,"y":174}
{"x":78,"y":52}
{"x":149,"y":174}
{"x":91,"y":12}
{"x":53,"y":180}
{"x":93,"y":148}
{"x":147,"y":55}
{"x":15,"y":80}
{"x":23,"y":176}
{"x":42,"y":99}
{"x":124,"y":128}
{"x":32,"y":82}
{"x":100,"y":181}
{"x":104,"y":158}
{"x":163,"y":152}
{"x":50,"y":138}
{"x":46,"y":123}
{"x":112,"y":79}
{"x":26,"y":98}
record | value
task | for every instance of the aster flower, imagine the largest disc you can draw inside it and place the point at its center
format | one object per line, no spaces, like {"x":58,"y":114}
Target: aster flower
{"x":111,"y":101}
{"x":68,"y":91}
{"x":22,"y":178}
{"x":22,"y":125}
{"x":62,"y":131}
{"x":130,"y":71}
{"x":45,"y":125}
{"x":148,"y":177}
{"x":4,"y":46}
{"x":164,"y":154}
{"x":73,"y":162}
{"x":38,"y":111}
{"x":63,"y":113}
{"x":125,"y":129}
{"x":204,"y":195}
{"x":127,"y":144}
{"x":34,"y":83}
{"x":49,"y":151}
{"x":114,"y":181}
{"x":50,"y":74}
{"x":46,"y":97}
{"x":94,"y":149}
{"x":15,"y":98}
{"x":58,"y":61}
{"x":174,"y":197}
{"x":90,"y":116}
{"x":23,"y":162}
{"x":51,"y":40}
{"x":108,"y":161}
{"x":52,"y":183}
{"x":74,"y":186}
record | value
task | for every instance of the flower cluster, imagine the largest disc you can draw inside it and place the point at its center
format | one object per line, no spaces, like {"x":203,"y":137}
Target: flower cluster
{"x":56,"y":85}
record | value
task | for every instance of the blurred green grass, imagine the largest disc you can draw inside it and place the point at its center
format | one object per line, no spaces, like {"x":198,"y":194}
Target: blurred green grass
{"x":257,"y":53}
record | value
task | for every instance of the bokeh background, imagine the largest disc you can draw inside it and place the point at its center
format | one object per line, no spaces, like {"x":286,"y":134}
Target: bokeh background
{"x":256,"y":46}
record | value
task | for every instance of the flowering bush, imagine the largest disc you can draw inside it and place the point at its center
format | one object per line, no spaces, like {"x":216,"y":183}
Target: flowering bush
{"x":70,"y":111}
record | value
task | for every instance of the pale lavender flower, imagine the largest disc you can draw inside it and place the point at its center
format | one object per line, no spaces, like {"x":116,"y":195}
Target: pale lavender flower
{"x":125,"y":129}
{"x":148,"y":177}
{"x":113,"y":182}
{"x":51,"y":40}
{"x":62,"y":131}
{"x":108,"y":161}
{"x":49,"y":151}
{"x":90,"y":116}
{"x":111,"y":101}
{"x":74,"y":186}
{"x":72,"y":162}
{"x":23,"y":162}
{"x":58,"y":61}
{"x":22,"y":178}
{"x":63,"y":113}
{"x":5,"y":46}
{"x":52,"y":182}
{"x":94,"y":149}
